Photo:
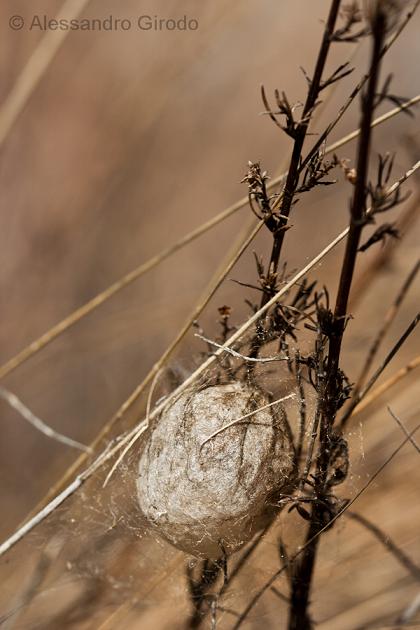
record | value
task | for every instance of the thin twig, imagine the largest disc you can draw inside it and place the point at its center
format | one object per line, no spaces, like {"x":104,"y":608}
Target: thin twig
{"x":389,"y":318}
{"x":385,"y":254}
{"x":320,"y":378}
{"x":322,"y":138}
{"x":212,"y":287}
{"x":87,"y":308}
{"x":355,"y":402}
{"x":84,"y":475}
{"x":45,"y":512}
{"x":244,"y":558}
{"x":332,"y":148}
{"x":302,"y":406}
{"x":238,"y":355}
{"x":275,"y":576}
{"x":403,"y":429}
{"x":300,"y":135}
{"x":390,"y":382}
{"x":141,"y":429}
{"x":402,"y":558}
{"x":39,"y":424}
{"x":244,"y":417}
{"x":279,"y":594}
{"x":358,"y":218}
{"x":36,"y":67}
{"x":299,"y":618}
{"x":250,"y":549}
{"x":109,"y":292}
{"x":312,"y":438}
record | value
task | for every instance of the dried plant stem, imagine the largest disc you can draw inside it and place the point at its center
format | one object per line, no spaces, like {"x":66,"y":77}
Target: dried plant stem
{"x":238,"y":355}
{"x":133,"y":275}
{"x":357,"y":209}
{"x":139,"y":433}
{"x":386,"y":385}
{"x":293,"y":558}
{"x":354,"y":403}
{"x":301,"y":131}
{"x":385,"y":254}
{"x":404,"y":430}
{"x":244,"y":417}
{"x":312,"y":439}
{"x":379,"y":337}
{"x":36,"y":67}
{"x":83,"y":476}
{"x":302,"y":406}
{"x":105,"y":295}
{"x":402,"y":558}
{"x":250,"y":549}
{"x":39,"y":424}
{"x":102,"y":297}
{"x":322,"y":138}
{"x":333,"y":147}
{"x":299,"y":618}
{"x":243,"y":242}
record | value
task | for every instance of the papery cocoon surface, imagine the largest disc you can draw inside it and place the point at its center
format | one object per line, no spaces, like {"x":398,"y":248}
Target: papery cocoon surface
{"x":205,"y":498}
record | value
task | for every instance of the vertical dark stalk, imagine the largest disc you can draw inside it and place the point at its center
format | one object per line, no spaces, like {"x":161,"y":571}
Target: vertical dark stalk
{"x":358,"y":206}
{"x":299,"y":618}
{"x":293,"y":173}
{"x":294,"y":167}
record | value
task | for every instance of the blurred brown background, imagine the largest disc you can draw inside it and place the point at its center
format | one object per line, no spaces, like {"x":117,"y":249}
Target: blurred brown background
{"x":130,"y":140}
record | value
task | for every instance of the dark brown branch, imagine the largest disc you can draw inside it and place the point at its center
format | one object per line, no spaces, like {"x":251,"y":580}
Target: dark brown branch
{"x":199,"y":589}
{"x":320,"y":141}
{"x":301,"y":131}
{"x":358,"y":209}
{"x":202,"y":613}
{"x":268,"y":584}
{"x":299,"y":618}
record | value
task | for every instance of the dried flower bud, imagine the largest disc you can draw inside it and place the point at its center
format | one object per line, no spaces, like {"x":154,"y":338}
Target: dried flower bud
{"x":202,"y":495}
{"x":349,"y":173}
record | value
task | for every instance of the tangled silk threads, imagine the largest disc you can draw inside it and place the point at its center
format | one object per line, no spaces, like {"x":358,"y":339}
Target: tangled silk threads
{"x":205,"y":496}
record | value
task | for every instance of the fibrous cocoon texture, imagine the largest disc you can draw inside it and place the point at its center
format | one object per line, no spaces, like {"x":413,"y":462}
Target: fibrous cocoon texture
{"x":205,"y":497}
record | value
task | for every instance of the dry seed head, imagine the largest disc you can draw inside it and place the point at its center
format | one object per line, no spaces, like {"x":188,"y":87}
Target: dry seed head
{"x":207,"y":497}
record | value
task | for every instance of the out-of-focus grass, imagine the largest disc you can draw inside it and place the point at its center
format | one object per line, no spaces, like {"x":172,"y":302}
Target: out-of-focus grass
{"x":130,"y":140}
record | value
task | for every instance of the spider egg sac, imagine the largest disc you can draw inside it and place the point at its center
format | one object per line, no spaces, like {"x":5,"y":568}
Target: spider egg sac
{"x":208,"y":496}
